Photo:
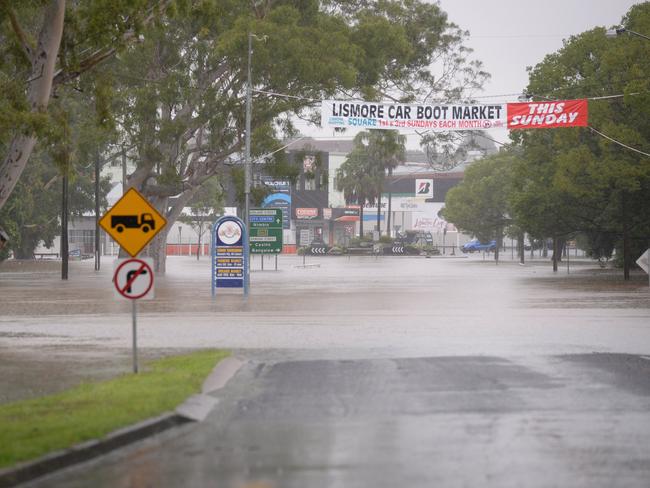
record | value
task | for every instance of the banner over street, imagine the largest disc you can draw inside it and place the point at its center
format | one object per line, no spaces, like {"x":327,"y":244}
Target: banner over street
{"x":528,"y":115}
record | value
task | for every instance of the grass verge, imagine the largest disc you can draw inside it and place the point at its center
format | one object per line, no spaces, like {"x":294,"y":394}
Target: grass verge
{"x":32,"y":428}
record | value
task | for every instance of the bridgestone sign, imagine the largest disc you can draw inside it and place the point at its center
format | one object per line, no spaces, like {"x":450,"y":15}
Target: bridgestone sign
{"x":529,"y":115}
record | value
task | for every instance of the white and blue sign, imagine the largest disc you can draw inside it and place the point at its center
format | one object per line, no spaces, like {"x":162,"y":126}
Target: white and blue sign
{"x":229,"y":254}
{"x":280,"y":197}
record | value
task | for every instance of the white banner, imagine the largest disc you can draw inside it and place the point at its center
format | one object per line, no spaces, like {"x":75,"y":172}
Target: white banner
{"x":370,"y":115}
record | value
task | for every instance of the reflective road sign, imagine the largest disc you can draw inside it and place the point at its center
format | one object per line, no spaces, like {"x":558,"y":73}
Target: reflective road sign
{"x":132,"y":222}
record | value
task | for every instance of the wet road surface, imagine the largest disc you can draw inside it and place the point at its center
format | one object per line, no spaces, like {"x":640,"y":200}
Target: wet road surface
{"x":579,"y":421}
{"x":367,"y":372}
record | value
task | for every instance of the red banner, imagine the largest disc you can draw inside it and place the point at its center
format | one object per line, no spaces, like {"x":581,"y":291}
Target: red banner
{"x":544,"y":115}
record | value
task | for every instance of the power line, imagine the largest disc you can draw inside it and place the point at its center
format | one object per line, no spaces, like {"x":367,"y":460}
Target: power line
{"x":530,"y":95}
{"x":619,"y":142}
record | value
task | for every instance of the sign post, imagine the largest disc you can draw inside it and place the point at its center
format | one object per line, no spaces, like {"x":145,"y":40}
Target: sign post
{"x":133,"y":222}
{"x":644,"y":263}
{"x":133,"y":280}
{"x":229,"y":254}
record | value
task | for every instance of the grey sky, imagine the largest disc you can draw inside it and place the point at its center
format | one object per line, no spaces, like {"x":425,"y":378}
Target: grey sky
{"x":509,"y":35}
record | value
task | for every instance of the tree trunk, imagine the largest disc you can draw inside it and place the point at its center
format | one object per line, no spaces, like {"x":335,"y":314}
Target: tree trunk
{"x":388,"y":220}
{"x":379,"y":214}
{"x":522,"y":249}
{"x":498,"y":246}
{"x":198,"y":248}
{"x":158,"y":247}
{"x":43,"y":60}
{"x":555,"y":253}
{"x":626,"y":253}
{"x":627,"y":264}
{"x":361,"y":222}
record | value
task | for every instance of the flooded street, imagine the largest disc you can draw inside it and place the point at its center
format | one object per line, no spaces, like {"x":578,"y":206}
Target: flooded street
{"x":359,"y":306}
{"x":362,"y":372}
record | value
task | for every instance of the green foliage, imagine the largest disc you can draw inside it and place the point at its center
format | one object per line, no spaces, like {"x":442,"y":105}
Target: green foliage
{"x":36,"y":427}
{"x":70,"y":145}
{"x":573,"y":179}
{"x":480,"y":204}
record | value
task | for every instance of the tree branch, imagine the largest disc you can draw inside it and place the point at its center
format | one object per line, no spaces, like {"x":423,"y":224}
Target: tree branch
{"x":28,"y":47}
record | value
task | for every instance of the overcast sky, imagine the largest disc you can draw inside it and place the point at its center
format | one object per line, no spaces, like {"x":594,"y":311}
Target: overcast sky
{"x":509,"y":35}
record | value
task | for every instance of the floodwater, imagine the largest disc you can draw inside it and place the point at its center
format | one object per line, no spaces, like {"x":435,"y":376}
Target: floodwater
{"x":334,"y":307}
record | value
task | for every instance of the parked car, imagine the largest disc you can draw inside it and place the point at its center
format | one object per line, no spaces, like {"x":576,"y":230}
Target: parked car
{"x":478,"y":246}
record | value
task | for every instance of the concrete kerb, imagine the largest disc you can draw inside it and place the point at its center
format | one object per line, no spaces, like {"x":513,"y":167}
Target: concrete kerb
{"x":86,"y":451}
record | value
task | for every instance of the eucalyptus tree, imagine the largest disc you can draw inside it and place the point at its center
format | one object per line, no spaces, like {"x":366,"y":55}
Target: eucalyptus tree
{"x":182,"y":89}
{"x":48,"y":43}
{"x":69,"y":147}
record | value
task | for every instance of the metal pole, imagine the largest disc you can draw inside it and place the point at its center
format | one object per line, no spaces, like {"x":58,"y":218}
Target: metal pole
{"x":97,"y":250}
{"x":64,"y":228}
{"x":135,"y":335}
{"x":247,"y":161}
{"x":276,"y":262}
{"x":123,"y":170}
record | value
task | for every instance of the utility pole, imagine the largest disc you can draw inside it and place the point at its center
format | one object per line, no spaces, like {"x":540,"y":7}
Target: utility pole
{"x":64,"y":227}
{"x":97,"y":249}
{"x":247,"y":161}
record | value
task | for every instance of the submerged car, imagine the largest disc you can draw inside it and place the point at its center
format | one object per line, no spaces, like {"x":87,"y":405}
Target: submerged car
{"x":477,"y":246}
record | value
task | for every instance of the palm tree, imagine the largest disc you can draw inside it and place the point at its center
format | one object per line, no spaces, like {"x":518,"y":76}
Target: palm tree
{"x":354,"y":179}
{"x":375,"y":152}
{"x":361,"y":177}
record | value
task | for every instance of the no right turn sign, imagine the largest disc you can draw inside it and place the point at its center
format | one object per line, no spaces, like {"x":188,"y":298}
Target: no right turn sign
{"x":133,"y":279}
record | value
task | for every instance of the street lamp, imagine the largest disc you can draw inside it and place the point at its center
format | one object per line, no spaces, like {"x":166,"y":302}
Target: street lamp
{"x":619,"y":31}
{"x":249,"y":103}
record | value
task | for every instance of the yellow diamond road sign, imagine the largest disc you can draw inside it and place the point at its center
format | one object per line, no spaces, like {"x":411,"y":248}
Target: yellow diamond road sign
{"x":132,"y":222}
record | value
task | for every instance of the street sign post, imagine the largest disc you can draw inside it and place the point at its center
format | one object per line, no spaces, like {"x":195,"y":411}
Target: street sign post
{"x":265,"y":230}
{"x":132,"y":222}
{"x":644,"y":263}
{"x":133,"y":280}
{"x":229,"y":254}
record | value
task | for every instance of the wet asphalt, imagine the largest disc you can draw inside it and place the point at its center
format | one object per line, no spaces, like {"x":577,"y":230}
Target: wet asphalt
{"x":364,"y":372}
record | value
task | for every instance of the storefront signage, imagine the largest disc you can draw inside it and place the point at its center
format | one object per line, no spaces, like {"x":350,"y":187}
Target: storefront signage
{"x":306,"y":213}
{"x":280,"y":197}
{"x":424,"y":188}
